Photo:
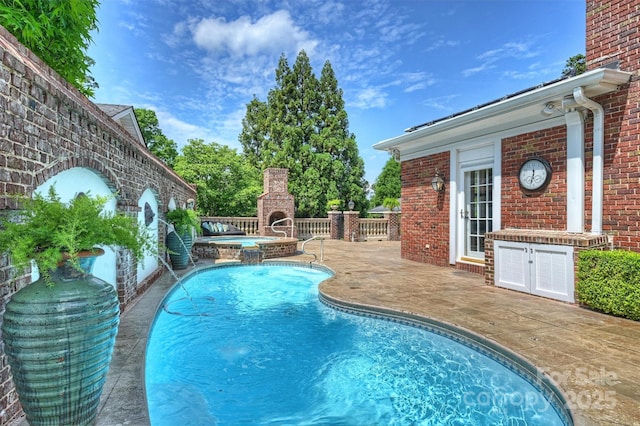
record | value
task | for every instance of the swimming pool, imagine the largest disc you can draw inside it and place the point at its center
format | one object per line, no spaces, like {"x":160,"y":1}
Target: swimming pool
{"x":254,"y":345}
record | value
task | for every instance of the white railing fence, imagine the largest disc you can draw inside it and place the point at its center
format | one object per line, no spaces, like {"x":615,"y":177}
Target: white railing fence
{"x":317,"y":227}
{"x":374,"y":229}
{"x":305,"y":228}
{"x":370,"y":229}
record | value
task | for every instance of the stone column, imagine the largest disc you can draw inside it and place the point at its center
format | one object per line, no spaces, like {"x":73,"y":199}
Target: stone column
{"x":393,"y":226}
{"x":351,"y":226}
{"x":334,"y":224}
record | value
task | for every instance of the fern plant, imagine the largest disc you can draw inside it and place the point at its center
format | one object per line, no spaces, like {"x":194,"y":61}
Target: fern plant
{"x":50,"y":232}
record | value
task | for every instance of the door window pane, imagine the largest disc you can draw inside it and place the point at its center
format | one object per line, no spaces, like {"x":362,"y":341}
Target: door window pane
{"x":479,"y":195}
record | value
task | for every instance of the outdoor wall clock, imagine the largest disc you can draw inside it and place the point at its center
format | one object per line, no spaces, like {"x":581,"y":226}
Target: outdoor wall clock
{"x":534,"y":174}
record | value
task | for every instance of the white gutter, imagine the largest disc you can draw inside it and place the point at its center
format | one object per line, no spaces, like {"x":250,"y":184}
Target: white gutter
{"x":595,"y":83}
{"x":598,"y":158}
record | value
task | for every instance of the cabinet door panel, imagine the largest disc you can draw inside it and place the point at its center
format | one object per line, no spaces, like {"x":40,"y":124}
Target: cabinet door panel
{"x":553,"y":272}
{"x":512,"y":265}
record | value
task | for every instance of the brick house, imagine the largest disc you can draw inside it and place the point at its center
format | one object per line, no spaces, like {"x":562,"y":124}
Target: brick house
{"x":536,"y":176}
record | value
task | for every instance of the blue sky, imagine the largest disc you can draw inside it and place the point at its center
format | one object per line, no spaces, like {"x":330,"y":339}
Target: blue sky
{"x":197,"y":63}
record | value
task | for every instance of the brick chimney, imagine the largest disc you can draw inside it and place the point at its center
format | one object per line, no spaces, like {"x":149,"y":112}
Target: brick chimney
{"x":613,"y":34}
{"x":275,"y":203}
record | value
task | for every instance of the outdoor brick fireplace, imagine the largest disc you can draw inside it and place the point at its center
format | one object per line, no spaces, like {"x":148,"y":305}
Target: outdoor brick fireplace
{"x":275,"y":204}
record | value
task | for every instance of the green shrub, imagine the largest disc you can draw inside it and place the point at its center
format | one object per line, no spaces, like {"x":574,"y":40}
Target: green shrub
{"x":609,"y":281}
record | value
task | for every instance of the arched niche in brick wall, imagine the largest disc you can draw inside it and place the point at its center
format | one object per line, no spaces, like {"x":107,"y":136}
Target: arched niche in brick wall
{"x":148,"y":216}
{"x":68,"y":184}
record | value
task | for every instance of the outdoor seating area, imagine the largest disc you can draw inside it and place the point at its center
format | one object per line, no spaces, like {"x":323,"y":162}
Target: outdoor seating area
{"x":216,"y":229}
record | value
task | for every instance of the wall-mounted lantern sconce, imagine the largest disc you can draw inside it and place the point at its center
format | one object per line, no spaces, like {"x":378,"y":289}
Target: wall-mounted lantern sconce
{"x":351,"y":204}
{"x":395,"y":153}
{"x":437,"y":183}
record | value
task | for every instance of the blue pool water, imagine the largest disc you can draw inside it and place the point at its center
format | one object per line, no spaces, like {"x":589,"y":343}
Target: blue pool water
{"x":253,"y":345}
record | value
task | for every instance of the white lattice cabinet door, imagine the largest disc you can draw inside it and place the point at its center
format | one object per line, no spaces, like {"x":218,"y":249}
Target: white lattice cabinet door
{"x":552,"y":271}
{"x":541,"y":269}
{"x":512,"y":265}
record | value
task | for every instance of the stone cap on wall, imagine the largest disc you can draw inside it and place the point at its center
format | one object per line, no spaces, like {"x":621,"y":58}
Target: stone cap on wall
{"x":541,"y":236}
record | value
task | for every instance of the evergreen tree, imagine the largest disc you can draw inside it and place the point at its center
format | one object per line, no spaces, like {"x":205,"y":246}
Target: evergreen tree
{"x":388,"y":184}
{"x":226,"y":183}
{"x":303,"y":127}
{"x":163,"y":148}
{"x":575,"y":65}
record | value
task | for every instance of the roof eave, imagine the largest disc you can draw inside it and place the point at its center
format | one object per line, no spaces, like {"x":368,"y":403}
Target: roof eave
{"x":594,"y":83}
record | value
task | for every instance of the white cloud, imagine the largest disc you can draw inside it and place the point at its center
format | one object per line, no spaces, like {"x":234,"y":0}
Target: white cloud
{"x":509,"y":51}
{"x":329,"y":12}
{"x":417,"y":81}
{"x":440,"y":103}
{"x":180,"y":131}
{"x":442,"y":44}
{"x":517,"y":50}
{"x":243,"y":37}
{"x":415,"y":87}
{"x":534,"y":71}
{"x":369,"y":97}
{"x":470,"y":71}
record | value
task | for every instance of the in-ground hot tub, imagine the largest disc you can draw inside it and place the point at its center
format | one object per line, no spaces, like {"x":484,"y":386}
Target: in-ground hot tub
{"x":243,"y":247}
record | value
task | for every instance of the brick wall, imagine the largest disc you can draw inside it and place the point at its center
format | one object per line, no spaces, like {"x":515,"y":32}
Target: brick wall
{"x":613,"y":35}
{"x":425,"y":212}
{"x":544,"y":210}
{"x":47,"y":127}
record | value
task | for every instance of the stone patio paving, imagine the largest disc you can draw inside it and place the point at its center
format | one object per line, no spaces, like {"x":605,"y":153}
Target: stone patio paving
{"x":593,"y":357}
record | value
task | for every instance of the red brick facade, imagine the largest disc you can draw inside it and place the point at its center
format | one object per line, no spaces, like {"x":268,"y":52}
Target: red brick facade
{"x":545,"y":210}
{"x":613,"y":34}
{"x":425,"y":212}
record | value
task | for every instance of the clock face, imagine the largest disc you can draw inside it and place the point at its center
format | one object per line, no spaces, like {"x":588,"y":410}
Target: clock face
{"x":534,"y":174}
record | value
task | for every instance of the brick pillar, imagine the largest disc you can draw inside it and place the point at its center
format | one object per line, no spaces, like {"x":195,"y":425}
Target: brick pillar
{"x":393,"y":226}
{"x":351,"y":226}
{"x":126,"y":267}
{"x":334,"y":224}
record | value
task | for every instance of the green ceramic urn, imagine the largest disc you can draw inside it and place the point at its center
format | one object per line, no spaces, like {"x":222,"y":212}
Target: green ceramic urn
{"x":59,"y":340}
{"x":179,"y":248}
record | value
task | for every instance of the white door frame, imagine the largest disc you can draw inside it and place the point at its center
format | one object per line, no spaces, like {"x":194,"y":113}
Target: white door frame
{"x":485,"y":155}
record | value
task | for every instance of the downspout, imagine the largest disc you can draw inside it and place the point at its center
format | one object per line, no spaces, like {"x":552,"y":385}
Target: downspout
{"x":597,"y":204}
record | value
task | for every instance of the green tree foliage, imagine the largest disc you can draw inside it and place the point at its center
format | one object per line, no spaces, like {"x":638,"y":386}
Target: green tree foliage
{"x":387,"y":184}
{"x":59,"y":32}
{"x":163,"y":147}
{"x":575,"y":65}
{"x":226,"y":183}
{"x":304,"y":127}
